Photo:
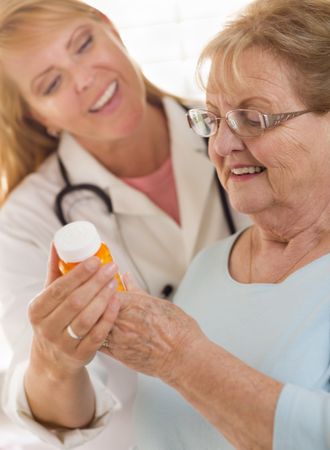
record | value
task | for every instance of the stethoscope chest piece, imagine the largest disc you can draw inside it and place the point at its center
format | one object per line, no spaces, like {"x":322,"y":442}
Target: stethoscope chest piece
{"x":70,"y":188}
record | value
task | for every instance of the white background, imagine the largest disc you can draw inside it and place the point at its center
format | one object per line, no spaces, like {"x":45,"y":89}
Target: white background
{"x":166,"y":36}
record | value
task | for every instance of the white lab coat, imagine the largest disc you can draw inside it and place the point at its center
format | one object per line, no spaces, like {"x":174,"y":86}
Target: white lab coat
{"x":159,"y":247}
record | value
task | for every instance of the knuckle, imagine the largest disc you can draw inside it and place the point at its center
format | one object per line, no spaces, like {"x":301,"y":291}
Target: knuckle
{"x":84,"y":323}
{"x":97,"y":336}
{"x":46,"y":334}
{"x":33,"y":309}
{"x":32,"y":314}
{"x":75,"y":302}
{"x":110,"y":318}
{"x":55,"y":291}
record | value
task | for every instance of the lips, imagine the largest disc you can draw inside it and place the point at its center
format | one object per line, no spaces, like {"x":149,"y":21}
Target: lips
{"x":105,"y":97}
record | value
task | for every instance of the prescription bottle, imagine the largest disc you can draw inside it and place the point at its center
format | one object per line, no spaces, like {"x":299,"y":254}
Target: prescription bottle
{"x":76,"y":242}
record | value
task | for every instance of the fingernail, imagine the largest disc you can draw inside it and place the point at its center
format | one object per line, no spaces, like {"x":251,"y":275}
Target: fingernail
{"x":113,"y":304}
{"x":92,"y":264}
{"x":113,"y":284}
{"x":109,"y":269}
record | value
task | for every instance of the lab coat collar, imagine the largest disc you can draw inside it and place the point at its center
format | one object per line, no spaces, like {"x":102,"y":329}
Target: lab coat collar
{"x":190,"y":163}
{"x":82,"y":167}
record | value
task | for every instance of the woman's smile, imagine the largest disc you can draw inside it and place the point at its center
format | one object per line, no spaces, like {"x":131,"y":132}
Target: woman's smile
{"x":106,"y":98}
{"x":245,"y":172}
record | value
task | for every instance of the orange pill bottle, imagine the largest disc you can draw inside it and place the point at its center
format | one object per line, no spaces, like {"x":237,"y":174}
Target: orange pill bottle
{"x":76,"y":242}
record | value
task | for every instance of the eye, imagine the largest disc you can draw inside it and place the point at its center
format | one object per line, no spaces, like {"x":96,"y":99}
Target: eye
{"x":86,"y":44}
{"x":249,"y":118}
{"x":53,"y":86}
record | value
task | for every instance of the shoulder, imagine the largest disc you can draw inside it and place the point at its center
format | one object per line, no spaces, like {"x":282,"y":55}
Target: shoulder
{"x":38,"y":183}
{"x":213,"y":258}
{"x":27,"y":226}
{"x":214,"y":253}
{"x":29,"y":207}
{"x":207,"y":270}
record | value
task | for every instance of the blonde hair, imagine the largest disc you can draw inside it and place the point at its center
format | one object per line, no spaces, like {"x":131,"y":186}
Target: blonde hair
{"x":24,"y":143}
{"x":295,"y":31}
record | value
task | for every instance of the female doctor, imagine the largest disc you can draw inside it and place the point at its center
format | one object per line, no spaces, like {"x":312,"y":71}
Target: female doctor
{"x":85,"y":136}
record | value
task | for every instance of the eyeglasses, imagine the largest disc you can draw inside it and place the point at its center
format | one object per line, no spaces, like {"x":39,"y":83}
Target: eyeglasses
{"x":243,"y":122}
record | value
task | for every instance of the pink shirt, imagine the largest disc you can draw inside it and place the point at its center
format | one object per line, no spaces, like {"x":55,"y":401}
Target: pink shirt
{"x":159,"y":186}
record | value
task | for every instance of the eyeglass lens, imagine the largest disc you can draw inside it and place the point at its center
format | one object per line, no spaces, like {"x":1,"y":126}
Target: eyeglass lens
{"x":244,"y":122}
{"x":202,"y":122}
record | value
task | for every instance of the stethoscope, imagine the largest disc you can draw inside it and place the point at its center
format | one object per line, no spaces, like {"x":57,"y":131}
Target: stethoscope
{"x":70,"y":188}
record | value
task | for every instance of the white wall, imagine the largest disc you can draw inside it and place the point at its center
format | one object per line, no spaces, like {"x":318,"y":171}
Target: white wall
{"x":166,"y":36}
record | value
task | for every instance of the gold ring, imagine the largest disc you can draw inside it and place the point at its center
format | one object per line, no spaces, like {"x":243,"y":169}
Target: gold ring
{"x":106,"y":342}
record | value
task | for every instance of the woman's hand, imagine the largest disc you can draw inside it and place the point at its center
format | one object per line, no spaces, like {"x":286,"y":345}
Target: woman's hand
{"x":157,"y":338}
{"x":82,"y":299}
{"x":150,"y":335}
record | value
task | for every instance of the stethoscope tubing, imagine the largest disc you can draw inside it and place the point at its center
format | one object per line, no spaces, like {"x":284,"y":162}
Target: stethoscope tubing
{"x":105,"y":197}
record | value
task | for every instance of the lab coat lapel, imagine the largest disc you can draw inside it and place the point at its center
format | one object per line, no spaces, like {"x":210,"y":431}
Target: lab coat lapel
{"x":84,"y":168}
{"x":192,"y":170}
{"x":194,"y":174}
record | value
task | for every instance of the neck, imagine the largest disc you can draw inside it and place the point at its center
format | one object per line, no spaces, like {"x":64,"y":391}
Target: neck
{"x":139,"y":154}
{"x":281,"y":242}
{"x":272,"y":259}
{"x":295,"y":223}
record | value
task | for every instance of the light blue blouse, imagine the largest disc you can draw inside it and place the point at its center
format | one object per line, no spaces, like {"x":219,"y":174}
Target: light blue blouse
{"x":283,"y":330}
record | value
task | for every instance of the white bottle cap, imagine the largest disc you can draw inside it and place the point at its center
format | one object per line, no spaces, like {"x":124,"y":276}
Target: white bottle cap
{"x":77,"y":241}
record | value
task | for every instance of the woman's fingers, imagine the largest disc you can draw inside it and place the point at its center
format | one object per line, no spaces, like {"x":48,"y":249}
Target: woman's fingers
{"x":91,"y":314}
{"x":81,"y":309}
{"x":100,"y":331}
{"x":54,"y":294}
{"x":89,"y":310}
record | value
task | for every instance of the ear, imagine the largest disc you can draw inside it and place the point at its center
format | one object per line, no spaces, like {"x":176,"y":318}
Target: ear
{"x":35,"y":115}
{"x":51,"y":130}
{"x":32,"y":114}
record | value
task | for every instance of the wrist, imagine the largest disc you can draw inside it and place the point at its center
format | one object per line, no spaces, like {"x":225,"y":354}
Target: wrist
{"x":52,"y":366}
{"x":190,"y":358}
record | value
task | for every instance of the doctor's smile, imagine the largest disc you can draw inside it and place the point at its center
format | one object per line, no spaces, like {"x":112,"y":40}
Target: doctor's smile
{"x":106,"y":99}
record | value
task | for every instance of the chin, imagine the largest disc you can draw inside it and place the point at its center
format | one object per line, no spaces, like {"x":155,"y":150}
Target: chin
{"x":133,"y":120}
{"x":126,"y":126}
{"x":245,"y":205}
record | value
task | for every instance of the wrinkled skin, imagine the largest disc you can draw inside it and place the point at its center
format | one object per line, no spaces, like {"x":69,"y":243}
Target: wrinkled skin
{"x":150,"y":335}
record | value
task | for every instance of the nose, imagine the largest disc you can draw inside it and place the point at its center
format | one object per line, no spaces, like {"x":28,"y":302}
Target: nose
{"x":225,"y":140}
{"x":83,"y":77}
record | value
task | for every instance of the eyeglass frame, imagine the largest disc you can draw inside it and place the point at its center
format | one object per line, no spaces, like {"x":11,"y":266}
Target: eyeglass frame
{"x":269,"y":120}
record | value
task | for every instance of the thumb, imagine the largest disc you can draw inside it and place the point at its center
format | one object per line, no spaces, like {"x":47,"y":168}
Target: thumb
{"x":130,"y":282}
{"x":53,"y":271}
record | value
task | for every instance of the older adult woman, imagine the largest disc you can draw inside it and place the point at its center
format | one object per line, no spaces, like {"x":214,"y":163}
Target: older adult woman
{"x":81,"y":129}
{"x":242,"y":359}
